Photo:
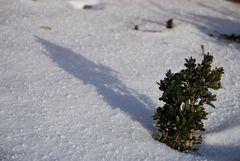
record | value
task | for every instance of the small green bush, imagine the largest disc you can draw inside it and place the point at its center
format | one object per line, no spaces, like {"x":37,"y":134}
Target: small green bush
{"x":185,"y":93}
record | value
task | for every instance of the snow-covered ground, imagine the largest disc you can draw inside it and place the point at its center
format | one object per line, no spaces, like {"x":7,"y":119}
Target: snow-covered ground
{"x":79,"y":84}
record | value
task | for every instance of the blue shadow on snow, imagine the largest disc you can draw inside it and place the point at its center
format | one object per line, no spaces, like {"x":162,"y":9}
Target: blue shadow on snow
{"x":114,"y":92}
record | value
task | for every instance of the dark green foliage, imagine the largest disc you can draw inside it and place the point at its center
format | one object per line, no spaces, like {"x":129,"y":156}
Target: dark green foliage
{"x":185,"y":94}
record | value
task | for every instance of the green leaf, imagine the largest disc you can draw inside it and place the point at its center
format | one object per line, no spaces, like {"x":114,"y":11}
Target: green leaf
{"x":177,"y":119}
{"x":210,"y":104}
{"x":215,"y":85}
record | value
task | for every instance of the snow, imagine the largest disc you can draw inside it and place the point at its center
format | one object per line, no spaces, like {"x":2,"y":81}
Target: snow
{"x":80,"y":84}
{"x":81,"y":4}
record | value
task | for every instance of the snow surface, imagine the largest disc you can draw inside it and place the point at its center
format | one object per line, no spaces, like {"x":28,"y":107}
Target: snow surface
{"x":82,"y":4}
{"x":80,"y":84}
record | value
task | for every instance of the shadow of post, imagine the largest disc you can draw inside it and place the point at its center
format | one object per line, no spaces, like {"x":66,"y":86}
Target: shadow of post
{"x":114,"y":92}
